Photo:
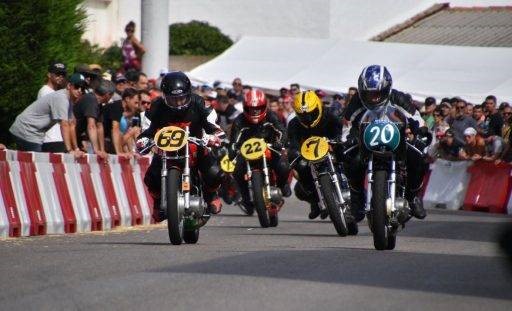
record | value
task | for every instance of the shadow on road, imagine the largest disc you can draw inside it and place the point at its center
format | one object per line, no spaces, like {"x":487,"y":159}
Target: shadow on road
{"x":450,"y":274}
{"x":130,"y":243}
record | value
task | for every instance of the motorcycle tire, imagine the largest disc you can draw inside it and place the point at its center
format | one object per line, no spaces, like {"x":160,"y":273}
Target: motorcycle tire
{"x":174,"y":219}
{"x":273,"y":220}
{"x":333,"y":206}
{"x":391,"y":241}
{"x":191,"y":237}
{"x":259,"y":201}
{"x":378,"y":210}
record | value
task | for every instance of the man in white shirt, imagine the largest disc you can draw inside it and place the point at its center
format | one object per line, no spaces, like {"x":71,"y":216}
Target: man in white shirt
{"x":56,"y":80}
{"x":31,"y":125}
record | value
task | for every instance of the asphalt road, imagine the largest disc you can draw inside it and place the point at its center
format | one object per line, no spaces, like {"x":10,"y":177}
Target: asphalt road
{"x":449,"y":261}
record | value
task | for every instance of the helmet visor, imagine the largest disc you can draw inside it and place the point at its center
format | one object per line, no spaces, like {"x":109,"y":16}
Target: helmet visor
{"x":308,"y":118}
{"x":177,"y":101}
{"x":254,"y":111}
{"x":372,"y":98}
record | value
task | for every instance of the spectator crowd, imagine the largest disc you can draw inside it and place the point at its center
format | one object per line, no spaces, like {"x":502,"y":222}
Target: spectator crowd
{"x":103,"y":113}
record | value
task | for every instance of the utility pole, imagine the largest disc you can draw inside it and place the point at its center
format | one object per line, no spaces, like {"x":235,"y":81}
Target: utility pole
{"x":155,"y":36}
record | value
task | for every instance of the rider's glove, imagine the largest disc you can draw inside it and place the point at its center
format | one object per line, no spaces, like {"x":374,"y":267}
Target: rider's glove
{"x":142,"y":145}
{"x":424,"y":136}
{"x":212,"y":140}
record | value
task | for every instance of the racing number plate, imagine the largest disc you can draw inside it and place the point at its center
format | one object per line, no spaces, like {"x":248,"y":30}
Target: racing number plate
{"x":314,"y":148}
{"x":253,"y":148}
{"x":381,"y":135}
{"x":226,"y":165}
{"x":171,"y":138}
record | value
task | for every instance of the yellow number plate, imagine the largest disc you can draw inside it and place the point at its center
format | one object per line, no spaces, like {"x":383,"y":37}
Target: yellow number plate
{"x":253,"y":148}
{"x":314,"y":148}
{"x":226,"y":165}
{"x":171,"y":138}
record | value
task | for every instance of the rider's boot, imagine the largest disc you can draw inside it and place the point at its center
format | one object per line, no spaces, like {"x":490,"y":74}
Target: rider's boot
{"x":286,"y":190}
{"x":315,"y":210}
{"x":357,"y":203}
{"x":416,"y":203}
{"x":213,"y":202}
{"x":304,"y":195}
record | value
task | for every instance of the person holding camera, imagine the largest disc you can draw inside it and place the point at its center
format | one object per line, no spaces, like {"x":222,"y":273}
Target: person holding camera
{"x":122,"y":123}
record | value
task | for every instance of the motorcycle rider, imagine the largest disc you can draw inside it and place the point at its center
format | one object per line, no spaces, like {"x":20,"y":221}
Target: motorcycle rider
{"x":258,"y":121}
{"x":310,"y":120}
{"x":375,"y":89}
{"x":180,"y":107}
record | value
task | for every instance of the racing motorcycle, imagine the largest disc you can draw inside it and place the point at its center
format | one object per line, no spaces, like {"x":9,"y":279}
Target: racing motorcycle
{"x":229,"y":190}
{"x":181,"y":195}
{"x":383,"y":145}
{"x":331,"y":185}
{"x":261,"y":181}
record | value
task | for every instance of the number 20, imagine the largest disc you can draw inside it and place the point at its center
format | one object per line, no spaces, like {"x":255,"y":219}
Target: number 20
{"x":385,"y":135}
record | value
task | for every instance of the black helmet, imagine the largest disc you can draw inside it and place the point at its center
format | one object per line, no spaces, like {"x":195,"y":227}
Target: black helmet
{"x":374,"y":86}
{"x":176,"y":87}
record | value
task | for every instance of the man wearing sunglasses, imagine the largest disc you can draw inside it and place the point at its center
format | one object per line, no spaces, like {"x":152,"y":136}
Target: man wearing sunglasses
{"x":31,"y":125}
{"x":460,"y":122}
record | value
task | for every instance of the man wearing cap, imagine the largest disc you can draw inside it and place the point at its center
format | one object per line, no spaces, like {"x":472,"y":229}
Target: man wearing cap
{"x":474,"y":149}
{"x":121,"y":85}
{"x":89,"y":118}
{"x":30,"y":126}
{"x":56,"y":80}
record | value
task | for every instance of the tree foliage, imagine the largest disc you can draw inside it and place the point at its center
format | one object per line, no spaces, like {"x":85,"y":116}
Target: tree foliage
{"x":34,"y":33}
{"x":197,"y":38}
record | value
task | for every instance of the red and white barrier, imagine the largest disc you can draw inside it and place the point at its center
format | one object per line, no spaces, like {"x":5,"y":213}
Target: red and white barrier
{"x":42,"y":193}
{"x":10,"y":223}
{"x":25,"y":187}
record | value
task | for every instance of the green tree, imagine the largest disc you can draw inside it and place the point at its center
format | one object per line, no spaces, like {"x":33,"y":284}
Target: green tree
{"x":197,"y":38}
{"x":33,"y":33}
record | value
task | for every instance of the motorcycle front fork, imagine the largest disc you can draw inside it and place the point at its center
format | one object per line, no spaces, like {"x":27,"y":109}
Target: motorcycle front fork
{"x":334,"y":178}
{"x":266,"y":181}
{"x":391,"y":184}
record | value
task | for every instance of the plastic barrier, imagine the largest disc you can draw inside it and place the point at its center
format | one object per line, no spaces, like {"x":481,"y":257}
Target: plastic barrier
{"x":64,"y":197}
{"x":77,"y":194}
{"x":488,"y":188}
{"x":447,"y":184}
{"x":141,"y":168}
{"x":119,"y":190}
{"x":10,"y":224}
{"x":102,"y":181}
{"x":48,"y":193}
{"x":141,"y":191}
{"x":26,"y":189}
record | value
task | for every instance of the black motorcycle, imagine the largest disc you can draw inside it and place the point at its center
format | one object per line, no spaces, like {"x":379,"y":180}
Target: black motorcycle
{"x":383,"y":148}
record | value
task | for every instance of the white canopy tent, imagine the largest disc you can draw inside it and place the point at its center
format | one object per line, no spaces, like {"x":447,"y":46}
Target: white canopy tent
{"x":334,"y":65}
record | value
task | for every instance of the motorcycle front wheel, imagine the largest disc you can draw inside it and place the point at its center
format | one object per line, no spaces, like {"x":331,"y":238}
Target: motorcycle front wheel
{"x":378,"y":210}
{"x":175,"y":220}
{"x":259,"y":201}
{"x":332,"y":204}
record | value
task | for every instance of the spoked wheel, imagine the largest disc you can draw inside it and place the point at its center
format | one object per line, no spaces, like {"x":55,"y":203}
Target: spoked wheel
{"x":333,"y":206}
{"x":259,"y":201}
{"x":381,"y":237}
{"x":175,"y":220}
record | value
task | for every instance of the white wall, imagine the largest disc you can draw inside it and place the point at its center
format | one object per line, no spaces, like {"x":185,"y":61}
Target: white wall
{"x":107,"y":18}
